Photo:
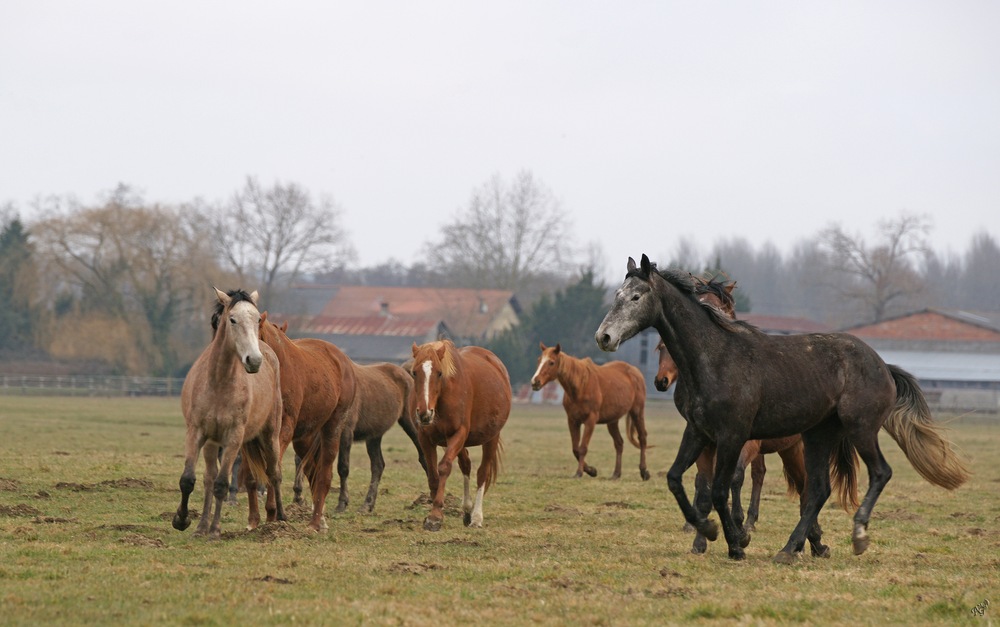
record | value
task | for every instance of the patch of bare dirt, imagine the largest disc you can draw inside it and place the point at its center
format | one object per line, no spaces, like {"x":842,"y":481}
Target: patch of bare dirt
{"x":9,"y":485}
{"x":270,"y":579}
{"x":298,"y":512}
{"x":452,"y":504}
{"x":61,"y":453}
{"x":450,"y":541}
{"x":128,"y":482}
{"x":192,"y":514}
{"x":269,"y":532}
{"x":412,"y":568}
{"x":54,"y":519}
{"x":138,"y":539}
{"x":42,"y":494}
{"x":408,"y":524}
{"x":898,"y":514}
{"x":561,"y":509}
{"x":76,"y":487}
{"x":18,"y":510}
{"x":617,"y":505}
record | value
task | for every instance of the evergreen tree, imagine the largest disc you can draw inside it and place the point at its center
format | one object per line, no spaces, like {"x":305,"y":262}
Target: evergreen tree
{"x":16,"y":269}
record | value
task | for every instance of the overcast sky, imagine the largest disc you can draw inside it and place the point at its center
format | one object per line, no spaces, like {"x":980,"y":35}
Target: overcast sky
{"x":649,"y":121}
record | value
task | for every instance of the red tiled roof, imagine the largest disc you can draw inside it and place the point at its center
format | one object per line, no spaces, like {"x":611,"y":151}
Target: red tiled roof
{"x":368,"y":325}
{"x":783,"y":324}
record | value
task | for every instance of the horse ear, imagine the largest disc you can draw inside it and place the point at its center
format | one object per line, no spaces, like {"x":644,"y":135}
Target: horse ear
{"x":558,"y":348}
{"x":541,"y":345}
{"x":224,"y":298}
{"x":442,"y":351}
{"x":253,"y":297}
{"x":644,"y":264}
{"x":263,"y":318}
{"x":284,"y":326}
{"x":729,"y":288}
{"x":631,"y":264}
{"x":414,"y":349}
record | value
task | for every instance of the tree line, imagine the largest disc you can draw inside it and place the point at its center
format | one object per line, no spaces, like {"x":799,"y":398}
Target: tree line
{"x":124,"y":282}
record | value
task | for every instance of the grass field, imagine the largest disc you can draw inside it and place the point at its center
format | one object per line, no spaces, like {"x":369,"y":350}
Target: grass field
{"x":88,"y":487}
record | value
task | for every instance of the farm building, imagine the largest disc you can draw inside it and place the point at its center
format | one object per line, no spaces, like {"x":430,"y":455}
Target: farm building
{"x":954,"y":354}
{"x":372,"y":324}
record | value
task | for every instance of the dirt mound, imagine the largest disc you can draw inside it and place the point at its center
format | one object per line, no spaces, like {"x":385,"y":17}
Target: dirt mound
{"x":137,"y":539}
{"x":128,"y":482}
{"x":9,"y":485}
{"x":18,"y":510}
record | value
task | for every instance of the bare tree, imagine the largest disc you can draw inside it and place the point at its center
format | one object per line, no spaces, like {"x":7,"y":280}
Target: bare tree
{"x":267,"y":234}
{"x":882,"y":274}
{"x":507,"y":236}
{"x":136,"y":269}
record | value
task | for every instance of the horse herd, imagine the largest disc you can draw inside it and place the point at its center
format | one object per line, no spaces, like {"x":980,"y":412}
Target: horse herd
{"x":818,"y":400}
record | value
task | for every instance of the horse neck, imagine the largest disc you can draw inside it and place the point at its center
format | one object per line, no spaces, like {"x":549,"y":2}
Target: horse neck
{"x":685,"y":327}
{"x":225,"y":366}
{"x":572,"y":375}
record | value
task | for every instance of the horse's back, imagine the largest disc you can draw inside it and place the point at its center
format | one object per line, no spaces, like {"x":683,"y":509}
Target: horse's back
{"x":491,"y":393}
{"x":382,"y":393}
{"x":623,"y":388}
{"x":323,"y":374}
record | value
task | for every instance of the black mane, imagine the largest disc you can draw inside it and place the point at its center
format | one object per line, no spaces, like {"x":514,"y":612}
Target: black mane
{"x":236,"y":295}
{"x":691,"y":286}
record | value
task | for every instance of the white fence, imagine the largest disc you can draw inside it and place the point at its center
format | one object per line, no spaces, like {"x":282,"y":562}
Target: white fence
{"x":83,"y":385}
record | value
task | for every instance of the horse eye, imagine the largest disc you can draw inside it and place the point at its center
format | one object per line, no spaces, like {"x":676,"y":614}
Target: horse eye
{"x":635,"y":297}
{"x":232,"y":320}
{"x":439,"y":375}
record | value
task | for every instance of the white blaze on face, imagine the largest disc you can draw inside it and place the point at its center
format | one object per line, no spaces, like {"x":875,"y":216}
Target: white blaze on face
{"x":538,"y":371}
{"x":427,"y":367}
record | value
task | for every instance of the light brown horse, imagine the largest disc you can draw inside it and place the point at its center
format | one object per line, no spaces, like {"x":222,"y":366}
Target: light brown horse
{"x":231,"y":399}
{"x":463,"y":399}
{"x":384,"y":397}
{"x":596,"y":395}
{"x":317,"y":390}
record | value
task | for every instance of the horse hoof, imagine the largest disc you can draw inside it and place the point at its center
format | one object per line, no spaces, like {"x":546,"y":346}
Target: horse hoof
{"x":644,"y":474}
{"x":467,"y":519}
{"x":861,"y":545}
{"x":232,"y":500}
{"x":340,"y":508}
{"x":432,"y":524}
{"x":699,"y":545}
{"x":688,"y":527}
{"x":616,"y":477}
{"x":745,"y":540}
{"x":820,"y":551}
{"x":737,"y":554}
{"x":590,"y":470}
{"x":180,"y":524}
{"x":709,"y":529}
{"x":784,"y":558}
{"x":749,"y":527}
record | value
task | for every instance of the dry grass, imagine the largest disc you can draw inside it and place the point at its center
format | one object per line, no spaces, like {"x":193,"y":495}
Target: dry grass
{"x":88,"y":486}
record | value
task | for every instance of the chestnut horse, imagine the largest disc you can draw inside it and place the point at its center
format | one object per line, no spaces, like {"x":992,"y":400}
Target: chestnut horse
{"x":317,"y":390}
{"x":384,"y":397}
{"x":596,"y":395}
{"x":463,"y":399}
{"x":719,"y":295}
{"x":231,"y":399}
{"x":831,"y":387}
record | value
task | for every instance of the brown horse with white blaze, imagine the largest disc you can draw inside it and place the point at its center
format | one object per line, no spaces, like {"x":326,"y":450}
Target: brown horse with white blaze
{"x":596,"y":395}
{"x":231,"y":400}
{"x":463,"y":399}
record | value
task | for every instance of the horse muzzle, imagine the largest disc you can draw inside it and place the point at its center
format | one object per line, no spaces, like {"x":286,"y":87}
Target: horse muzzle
{"x":536,"y":385}
{"x":426,"y":417}
{"x":662,"y":384}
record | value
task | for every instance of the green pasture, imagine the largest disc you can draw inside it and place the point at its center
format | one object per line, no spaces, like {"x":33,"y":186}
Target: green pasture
{"x":88,"y":487}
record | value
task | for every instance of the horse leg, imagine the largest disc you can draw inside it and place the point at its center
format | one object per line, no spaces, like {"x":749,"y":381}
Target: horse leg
{"x":692,"y":445}
{"x":465,"y":464}
{"x":433,"y":479}
{"x":726,"y":457}
{"x":297,"y":484}
{"x":818,"y":443}
{"x":234,"y":487}
{"x":491,"y":452}
{"x":574,"y":436}
{"x":639,"y":421}
{"x":344,"y":467}
{"x":211,"y":456}
{"x":374,"y":446}
{"x":702,"y":495}
{"x":321,"y":471}
{"x":879,"y":473}
{"x":192,"y":445}
{"x":588,"y":432}
{"x":272,"y":464}
{"x":455,"y":445}
{"x":406,"y":422}
{"x":758,"y":468}
{"x":748,"y":452}
{"x":616,"y":435}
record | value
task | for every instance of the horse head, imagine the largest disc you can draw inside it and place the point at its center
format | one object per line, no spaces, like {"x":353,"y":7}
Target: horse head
{"x":548,"y":366}
{"x":239,"y":309}
{"x":429,"y":369}
{"x":635,"y":306}
{"x":666,"y":372}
